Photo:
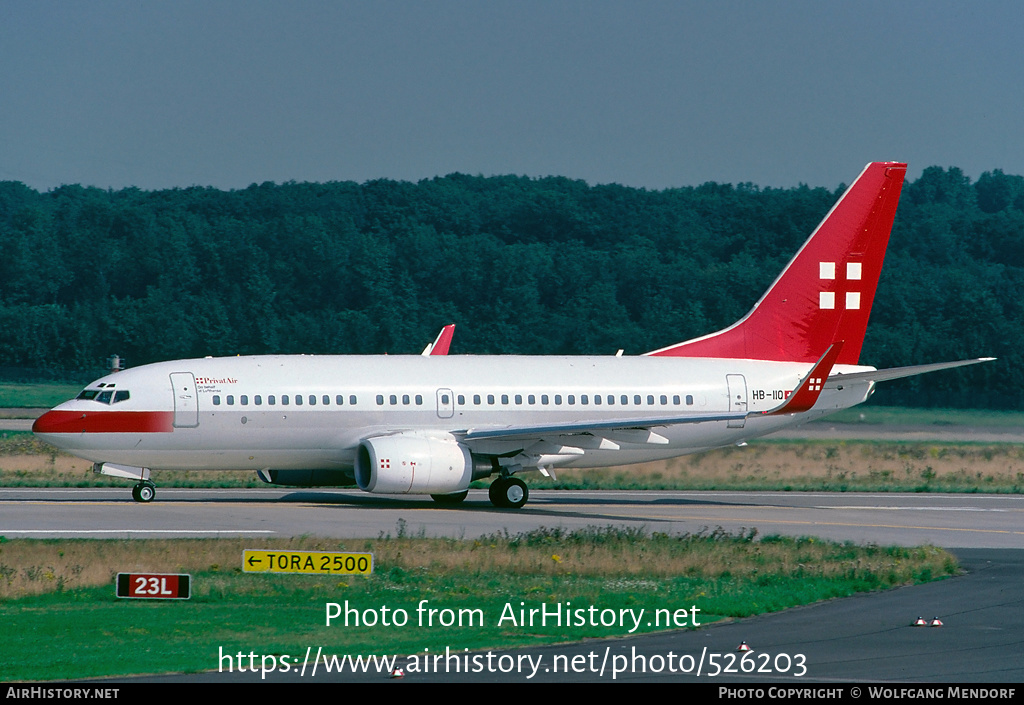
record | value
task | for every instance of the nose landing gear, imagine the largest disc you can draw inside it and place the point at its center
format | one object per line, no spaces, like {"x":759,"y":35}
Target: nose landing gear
{"x":144,"y":492}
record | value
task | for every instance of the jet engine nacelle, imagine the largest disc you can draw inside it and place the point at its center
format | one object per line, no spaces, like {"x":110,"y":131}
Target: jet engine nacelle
{"x":417,"y":465}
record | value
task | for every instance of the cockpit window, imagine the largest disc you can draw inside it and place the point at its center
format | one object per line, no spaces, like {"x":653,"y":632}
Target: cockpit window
{"x":104,"y":396}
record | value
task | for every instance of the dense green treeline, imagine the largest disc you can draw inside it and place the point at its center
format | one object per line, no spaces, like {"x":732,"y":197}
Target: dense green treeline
{"x":531,"y":266}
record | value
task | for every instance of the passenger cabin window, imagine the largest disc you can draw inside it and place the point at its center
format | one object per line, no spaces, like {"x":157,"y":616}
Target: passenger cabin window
{"x":689,"y":400}
{"x":244,"y":400}
{"x":271,"y":400}
{"x":284,"y":400}
{"x":380,"y":400}
{"x":216,"y":399}
{"x":419,"y":400}
{"x":352,"y":400}
{"x":340,"y":400}
{"x":231,"y":399}
{"x":258,"y":400}
{"x":298,"y":400}
{"x":312,"y":400}
{"x":326,"y":400}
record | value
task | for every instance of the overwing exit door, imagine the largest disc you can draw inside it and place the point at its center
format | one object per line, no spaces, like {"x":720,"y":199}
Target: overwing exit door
{"x":445,"y":403}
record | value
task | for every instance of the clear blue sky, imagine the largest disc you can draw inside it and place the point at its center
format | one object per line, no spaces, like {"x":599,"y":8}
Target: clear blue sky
{"x":225,"y":93}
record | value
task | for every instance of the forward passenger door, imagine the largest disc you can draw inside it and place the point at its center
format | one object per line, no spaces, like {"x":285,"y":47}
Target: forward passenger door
{"x":186,"y":400}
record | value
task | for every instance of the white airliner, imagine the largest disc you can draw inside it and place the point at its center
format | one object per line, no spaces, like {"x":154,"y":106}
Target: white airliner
{"x":434,"y":423}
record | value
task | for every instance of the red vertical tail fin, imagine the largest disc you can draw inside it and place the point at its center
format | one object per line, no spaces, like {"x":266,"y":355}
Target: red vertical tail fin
{"x":826,"y":291}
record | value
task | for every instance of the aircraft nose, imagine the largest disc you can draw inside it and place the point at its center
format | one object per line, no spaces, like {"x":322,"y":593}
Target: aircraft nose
{"x":55,"y":421}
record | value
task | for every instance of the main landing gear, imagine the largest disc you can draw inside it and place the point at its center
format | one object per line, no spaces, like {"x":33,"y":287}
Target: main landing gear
{"x":144,"y":492}
{"x":508,"y":492}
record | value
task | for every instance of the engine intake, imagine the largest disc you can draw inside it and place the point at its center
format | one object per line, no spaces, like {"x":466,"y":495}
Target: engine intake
{"x":417,"y":465}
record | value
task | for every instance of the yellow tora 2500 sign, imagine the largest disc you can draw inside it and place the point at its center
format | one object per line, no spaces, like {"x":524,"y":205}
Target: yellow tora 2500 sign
{"x":312,"y":562}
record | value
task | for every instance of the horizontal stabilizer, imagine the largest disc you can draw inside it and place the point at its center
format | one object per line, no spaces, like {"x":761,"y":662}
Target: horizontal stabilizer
{"x":900,"y":372}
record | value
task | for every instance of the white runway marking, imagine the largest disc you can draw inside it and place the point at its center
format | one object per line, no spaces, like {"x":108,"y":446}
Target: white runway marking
{"x":915,"y":509}
{"x":135,"y":531}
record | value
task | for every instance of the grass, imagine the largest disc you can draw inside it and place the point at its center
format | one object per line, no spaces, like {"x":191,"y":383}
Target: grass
{"x":894,"y":415}
{"x":836,"y":466}
{"x":787,"y":465}
{"x":61,"y":619}
{"x":36,"y":395}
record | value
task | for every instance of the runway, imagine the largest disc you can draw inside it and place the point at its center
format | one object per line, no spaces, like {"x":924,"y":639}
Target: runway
{"x":966,"y":520}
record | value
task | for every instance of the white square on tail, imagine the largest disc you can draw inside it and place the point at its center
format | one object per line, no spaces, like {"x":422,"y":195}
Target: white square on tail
{"x":852,"y":300}
{"x":827,"y":299}
{"x":827,"y":270}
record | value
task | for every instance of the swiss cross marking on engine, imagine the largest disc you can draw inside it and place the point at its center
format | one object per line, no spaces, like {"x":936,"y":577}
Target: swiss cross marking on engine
{"x":385,"y":463}
{"x":826,"y":272}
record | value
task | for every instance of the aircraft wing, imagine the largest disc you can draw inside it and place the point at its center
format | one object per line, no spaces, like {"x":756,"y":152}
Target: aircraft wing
{"x":900,"y":372}
{"x":559,"y":441}
{"x":802,"y":399}
{"x":575,"y":438}
{"x":543,"y":447}
{"x":598,"y":428}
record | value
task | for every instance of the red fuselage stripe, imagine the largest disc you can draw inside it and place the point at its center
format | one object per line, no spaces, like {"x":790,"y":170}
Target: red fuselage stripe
{"x":105,"y":422}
